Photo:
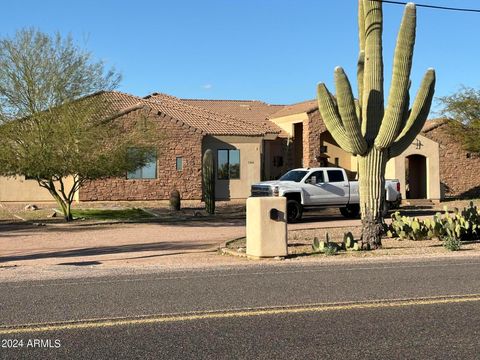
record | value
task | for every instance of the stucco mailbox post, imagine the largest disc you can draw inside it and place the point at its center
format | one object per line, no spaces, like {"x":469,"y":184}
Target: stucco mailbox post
{"x":266,"y":226}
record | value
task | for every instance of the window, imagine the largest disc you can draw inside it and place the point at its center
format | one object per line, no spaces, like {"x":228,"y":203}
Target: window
{"x":337,"y":161}
{"x":318,"y":177}
{"x":149,"y":171}
{"x":294,"y":175}
{"x":179,"y":163}
{"x":228,"y":164}
{"x":335,"y":176}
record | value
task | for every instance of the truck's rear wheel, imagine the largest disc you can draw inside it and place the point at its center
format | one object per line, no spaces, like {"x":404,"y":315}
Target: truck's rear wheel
{"x":350,"y":211}
{"x":294,"y":211}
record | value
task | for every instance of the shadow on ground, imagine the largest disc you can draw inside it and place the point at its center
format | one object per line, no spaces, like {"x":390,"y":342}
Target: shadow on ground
{"x":27,"y":228}
{"x":178,"y":247}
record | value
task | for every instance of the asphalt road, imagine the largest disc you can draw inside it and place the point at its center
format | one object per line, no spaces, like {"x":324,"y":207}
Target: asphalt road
{"x":395,"y":310}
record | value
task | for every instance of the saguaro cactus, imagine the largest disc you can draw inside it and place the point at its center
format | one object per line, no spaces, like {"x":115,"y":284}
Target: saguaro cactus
{"x":208,"y":172}
{"x":175,"y":200}
{"x":364,"y":127}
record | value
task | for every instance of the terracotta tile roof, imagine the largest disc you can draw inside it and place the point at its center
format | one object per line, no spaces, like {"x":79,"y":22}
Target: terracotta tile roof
{"x":198,"y":118}
{"x":302,"y":107}
{"x":250,"y":111}
{"x":246,"y":113}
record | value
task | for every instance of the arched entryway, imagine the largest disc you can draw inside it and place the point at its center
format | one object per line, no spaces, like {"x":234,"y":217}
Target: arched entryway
{"x":416,"y":177}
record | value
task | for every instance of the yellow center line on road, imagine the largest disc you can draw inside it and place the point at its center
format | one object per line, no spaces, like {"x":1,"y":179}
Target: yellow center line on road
{"x":235,"y":313}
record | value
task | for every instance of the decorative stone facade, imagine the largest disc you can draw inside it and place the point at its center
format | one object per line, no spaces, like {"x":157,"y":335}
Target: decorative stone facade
{"x":459,"y":169}
{"x":177,"y":140}
{"x":312,"y":130}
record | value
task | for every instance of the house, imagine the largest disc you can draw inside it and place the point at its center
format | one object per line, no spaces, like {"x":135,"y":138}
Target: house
{"x":187,"y":131}
{"x":459,"y":168}
{"x":254,"y":141}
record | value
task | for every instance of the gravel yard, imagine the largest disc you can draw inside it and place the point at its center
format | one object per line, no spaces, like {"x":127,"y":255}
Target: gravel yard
{"x":172,"y":240}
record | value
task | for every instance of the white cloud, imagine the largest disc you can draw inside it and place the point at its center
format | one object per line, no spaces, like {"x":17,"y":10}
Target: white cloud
{"x":207,"y":86}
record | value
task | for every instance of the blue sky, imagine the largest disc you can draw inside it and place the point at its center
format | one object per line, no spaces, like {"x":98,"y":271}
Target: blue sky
{"x":270,"y":50}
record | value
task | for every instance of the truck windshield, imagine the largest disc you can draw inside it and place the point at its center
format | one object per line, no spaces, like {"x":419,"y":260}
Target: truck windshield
{"x":294,"y":175}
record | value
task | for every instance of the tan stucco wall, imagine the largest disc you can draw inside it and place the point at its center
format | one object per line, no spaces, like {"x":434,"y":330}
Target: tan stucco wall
{"x":430,"y":150}
{"x":345,"y":159}
{"x":266,"y":237}
{"x":250,"y":164}
{"x":286,"y":122}
{"x":17,"y":189}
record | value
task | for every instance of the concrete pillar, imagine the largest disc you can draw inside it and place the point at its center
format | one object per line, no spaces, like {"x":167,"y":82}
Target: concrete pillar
{"x":266,"y":227}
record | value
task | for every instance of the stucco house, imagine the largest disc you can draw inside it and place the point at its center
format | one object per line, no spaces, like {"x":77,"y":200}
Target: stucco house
{"x":186,"y":131}
{"x":254,"y":141}
{"x":459,"y":168}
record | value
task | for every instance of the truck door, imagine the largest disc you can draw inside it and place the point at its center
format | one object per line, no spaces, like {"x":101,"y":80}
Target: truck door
{"x":336,"y":187}
{"x":314,"y":190}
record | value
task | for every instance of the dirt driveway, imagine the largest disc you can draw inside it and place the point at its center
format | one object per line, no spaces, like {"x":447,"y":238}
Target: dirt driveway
{"x":62,"y":250}
{"x":52,"y":244}
{"x":145,"y":243}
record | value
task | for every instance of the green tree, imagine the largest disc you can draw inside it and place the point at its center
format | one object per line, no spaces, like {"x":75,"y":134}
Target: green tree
{"x":463,"y":110}
{"x":51,"y":130}
{"x":367,"y":128}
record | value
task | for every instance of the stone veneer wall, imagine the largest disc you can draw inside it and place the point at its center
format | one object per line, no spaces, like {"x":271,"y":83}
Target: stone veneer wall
{"x":459,"y":169}
{"x":177,"y":140}
{"x":312,"y":132}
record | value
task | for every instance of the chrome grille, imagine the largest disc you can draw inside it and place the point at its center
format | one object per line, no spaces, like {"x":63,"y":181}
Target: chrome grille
{"x":261,"y":190}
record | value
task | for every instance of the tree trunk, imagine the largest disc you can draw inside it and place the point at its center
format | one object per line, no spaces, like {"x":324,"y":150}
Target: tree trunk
{"x":64,"y":204}
{"x":371,"y":170}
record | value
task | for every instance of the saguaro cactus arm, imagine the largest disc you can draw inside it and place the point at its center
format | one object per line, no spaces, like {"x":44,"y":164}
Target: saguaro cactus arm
{"x":393,"y":118}
{"x":347,"y":111}
{"x":418,"y":115}
{"x":341,"y":118}
{"x":361,"y":26}
{"x":331,"y":117}
{"x":360,"y":71}
{"x":361,"y":57}
{"x":372,"y":98}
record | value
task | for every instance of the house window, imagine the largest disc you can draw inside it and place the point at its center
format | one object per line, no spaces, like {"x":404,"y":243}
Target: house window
{"x":228,"y":164}
{"x":179,"y":163}
{"x":149,"y":171}
{"x":337,"y":161}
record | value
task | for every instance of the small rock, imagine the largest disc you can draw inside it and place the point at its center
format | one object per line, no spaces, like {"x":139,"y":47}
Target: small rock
{"x":242,"y":250}
{"x":31,"y":207}
{"x":278,"y":258}
{"x":52,"y":215}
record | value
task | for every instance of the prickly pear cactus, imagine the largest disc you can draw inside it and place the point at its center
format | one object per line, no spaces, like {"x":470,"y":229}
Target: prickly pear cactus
{"x":365,"y":127}
{"x":208,"y":172}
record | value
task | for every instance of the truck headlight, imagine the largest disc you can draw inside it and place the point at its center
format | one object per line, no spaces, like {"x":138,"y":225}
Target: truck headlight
{"x":275,"y":191}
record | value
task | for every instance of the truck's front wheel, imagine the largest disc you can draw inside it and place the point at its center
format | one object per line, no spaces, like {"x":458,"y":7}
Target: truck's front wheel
{"x":350,"y":211}
{"x":294,"y":211}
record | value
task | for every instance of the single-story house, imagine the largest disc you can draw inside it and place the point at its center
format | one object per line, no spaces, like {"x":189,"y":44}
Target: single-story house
{"x":186,"y":131}
{"x":254,"y":141}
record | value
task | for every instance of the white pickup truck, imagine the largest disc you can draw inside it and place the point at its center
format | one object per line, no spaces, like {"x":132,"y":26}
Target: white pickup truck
{"x":321,"y":187}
